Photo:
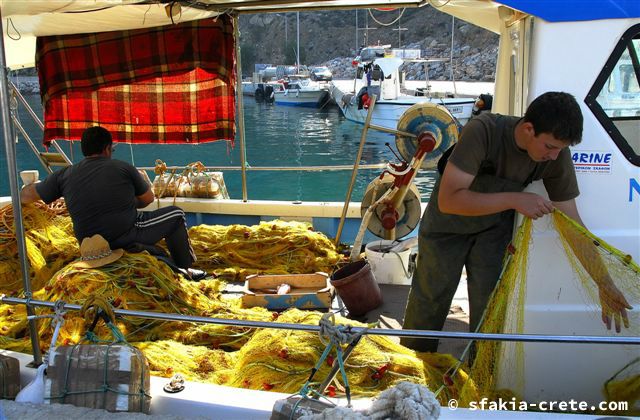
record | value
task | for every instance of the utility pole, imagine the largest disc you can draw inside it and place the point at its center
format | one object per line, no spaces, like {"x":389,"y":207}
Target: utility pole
{"x":357,"y":45}
{"x":366,"y":30}
{"x":400,"y":29}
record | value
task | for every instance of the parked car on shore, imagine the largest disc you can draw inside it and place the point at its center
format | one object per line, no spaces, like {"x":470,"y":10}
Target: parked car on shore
{"x":321,"y":74}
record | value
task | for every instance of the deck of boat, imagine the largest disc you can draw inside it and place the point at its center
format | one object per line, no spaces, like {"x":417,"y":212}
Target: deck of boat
{"x":391,"y":313}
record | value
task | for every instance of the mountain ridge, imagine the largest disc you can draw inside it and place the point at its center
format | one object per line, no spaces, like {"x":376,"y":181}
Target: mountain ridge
{"x":331,"y":38}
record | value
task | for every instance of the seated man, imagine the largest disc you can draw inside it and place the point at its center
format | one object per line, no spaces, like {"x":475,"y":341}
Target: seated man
{"x":103,"y":195}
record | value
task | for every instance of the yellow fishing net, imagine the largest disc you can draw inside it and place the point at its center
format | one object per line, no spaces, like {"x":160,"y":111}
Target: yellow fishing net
{"x":268,"y":359}
{"x":276,"y":247}
{"x":274,"y":359}
{"x":49,"y":241}
{"x":590,"y":258}
{"x":624,"y":385}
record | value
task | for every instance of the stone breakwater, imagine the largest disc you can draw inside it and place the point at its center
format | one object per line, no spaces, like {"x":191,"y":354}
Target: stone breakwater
{"x":28,"y":85}
{"x":469,"y":64}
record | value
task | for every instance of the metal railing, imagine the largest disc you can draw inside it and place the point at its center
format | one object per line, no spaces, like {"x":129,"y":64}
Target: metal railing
{"x":311,"y":168}
{"x":529,"y":338}
{"x":16,"y":122}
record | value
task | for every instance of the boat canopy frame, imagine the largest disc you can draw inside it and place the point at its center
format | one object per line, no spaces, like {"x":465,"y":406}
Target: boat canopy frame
{"x":23,"y":18}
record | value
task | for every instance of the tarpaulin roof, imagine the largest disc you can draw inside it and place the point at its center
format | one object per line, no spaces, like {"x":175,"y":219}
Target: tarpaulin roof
{"x":23,"y":20}
{"x":576,"y":10}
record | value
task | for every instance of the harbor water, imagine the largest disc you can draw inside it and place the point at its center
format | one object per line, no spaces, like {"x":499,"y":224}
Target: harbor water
{"x":275,"y":136}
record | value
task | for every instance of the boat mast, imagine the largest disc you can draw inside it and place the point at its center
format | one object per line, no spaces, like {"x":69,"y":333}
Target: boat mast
{"x":12,"y":166}
{"x":297,"y":42}
{"x":240,"y":108}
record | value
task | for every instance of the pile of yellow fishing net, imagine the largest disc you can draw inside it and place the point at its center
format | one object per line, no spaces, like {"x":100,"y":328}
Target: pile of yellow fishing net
{"x":267,"y":359}
{"x":272,"y":359}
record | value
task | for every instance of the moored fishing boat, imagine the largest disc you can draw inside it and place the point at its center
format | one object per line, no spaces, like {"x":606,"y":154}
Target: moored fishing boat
{"x":299,"y":91}
{"x":379,"y":75}
{"x":607,"y":164}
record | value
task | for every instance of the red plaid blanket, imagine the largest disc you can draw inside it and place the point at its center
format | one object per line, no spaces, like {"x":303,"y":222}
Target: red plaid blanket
{"x":169,"y":84}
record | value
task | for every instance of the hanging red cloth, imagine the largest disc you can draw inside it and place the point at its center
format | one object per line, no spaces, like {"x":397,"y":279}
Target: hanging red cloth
{"x":169,"y":84}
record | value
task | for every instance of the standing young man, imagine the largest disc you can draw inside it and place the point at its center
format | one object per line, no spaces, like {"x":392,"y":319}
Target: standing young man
{"x":103,"y":195}
{"x":469,"y":219}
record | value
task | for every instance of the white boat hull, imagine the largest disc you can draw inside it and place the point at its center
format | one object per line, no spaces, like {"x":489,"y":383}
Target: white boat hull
{"x":386,"y":113}
{"x":222,"y":402}
{"x":306,"y":98}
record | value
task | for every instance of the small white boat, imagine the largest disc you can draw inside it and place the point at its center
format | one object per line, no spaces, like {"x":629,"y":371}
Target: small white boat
{"x":381,"y":77}
{"x":262,"y":91}
{"x":302,"y":92}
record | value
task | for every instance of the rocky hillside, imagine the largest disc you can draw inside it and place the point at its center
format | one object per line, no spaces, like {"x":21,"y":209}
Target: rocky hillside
{"x":330,"y":38}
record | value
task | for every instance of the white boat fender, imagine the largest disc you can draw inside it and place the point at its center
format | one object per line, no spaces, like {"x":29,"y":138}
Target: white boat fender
{"x":34,"y":391}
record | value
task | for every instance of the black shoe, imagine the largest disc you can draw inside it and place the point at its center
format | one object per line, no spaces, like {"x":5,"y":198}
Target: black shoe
{"x":196,"y":275}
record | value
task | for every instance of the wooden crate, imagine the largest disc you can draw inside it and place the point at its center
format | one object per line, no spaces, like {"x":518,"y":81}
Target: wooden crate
{"x":308,"y":291}
{"x":9,"y":377}
{"x":113,"y":377}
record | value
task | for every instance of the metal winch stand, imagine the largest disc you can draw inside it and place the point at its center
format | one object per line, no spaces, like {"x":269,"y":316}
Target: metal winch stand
{"x":391,"y":205}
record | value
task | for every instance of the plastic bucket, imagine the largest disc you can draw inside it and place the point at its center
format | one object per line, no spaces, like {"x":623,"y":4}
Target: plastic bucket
{"x":388,"y":267}
{"x":357,"y":287}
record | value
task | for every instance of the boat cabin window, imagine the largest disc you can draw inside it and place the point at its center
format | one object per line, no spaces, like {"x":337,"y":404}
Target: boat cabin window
{"x":615,"y":96}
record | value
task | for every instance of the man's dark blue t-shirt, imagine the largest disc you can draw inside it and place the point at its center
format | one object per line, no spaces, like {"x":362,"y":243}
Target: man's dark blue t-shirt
{"x":100,"y":194}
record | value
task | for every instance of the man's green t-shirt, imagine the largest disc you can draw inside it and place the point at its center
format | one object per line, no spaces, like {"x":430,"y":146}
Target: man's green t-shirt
{"x":512,"y":163}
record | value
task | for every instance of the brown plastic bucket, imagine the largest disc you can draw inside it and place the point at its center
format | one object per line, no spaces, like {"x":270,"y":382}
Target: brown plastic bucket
{"x":357,"y":287}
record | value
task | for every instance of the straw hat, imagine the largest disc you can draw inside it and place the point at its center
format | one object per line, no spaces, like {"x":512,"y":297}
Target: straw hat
{"x":95,"y":252}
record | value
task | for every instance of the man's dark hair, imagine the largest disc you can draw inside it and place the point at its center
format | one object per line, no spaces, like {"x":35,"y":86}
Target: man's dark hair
{"x":558,"y":114}
{"x":95,"y":140}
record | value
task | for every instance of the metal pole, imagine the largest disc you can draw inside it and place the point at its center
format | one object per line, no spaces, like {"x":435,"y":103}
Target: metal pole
{"x":357,"y":46}
{"x":280,"y":168}
{"x":240,"y":108}
{"x":453,"y":77}
{"x":12,"y":166}
{"x":528,"y":338}
{"x":298,"y":41}
{"x":399,"y":30}
{"x":26,"y":105}
{"x":354,"y":173}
